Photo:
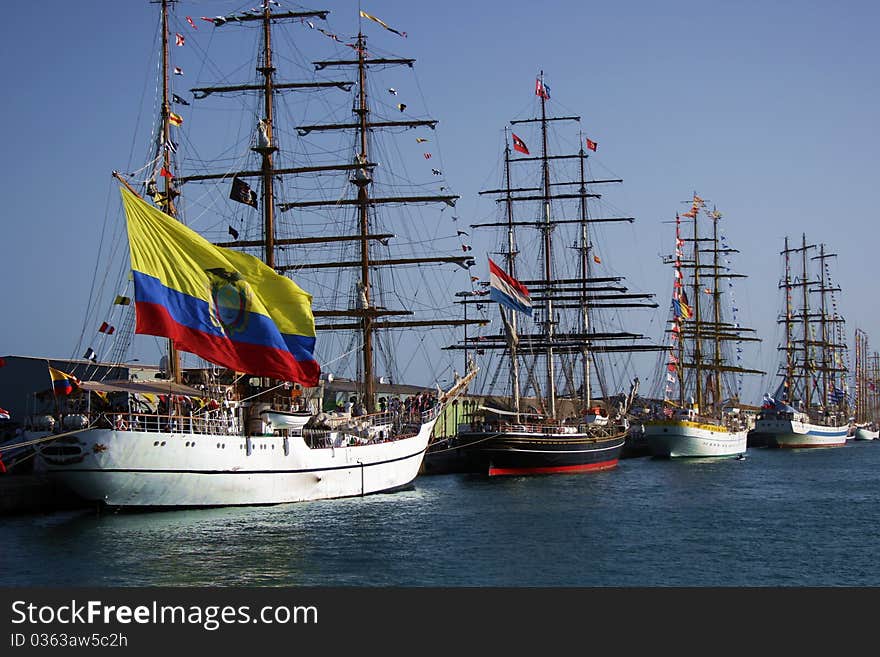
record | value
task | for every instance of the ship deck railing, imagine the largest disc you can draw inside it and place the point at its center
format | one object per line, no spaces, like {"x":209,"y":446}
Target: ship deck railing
{"x":393,"y":424}
{"x":551,"y":428}
{"x":386,"y":426}
{"x":155,"y":423}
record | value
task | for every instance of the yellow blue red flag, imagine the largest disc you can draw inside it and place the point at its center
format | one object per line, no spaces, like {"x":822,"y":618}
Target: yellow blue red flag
{"x":62,"y":382}
{"x":228,"y":307}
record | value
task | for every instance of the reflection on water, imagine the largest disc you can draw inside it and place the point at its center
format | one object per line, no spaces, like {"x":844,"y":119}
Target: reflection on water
{"x":775,"y":518}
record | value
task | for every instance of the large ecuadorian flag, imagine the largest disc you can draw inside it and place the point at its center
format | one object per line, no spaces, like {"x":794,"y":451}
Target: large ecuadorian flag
{"x":230,"y":308}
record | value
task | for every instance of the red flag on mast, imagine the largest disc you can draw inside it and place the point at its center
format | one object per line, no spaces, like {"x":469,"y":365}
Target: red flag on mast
{"x":541,"y":89}
{"x":519,"y":144}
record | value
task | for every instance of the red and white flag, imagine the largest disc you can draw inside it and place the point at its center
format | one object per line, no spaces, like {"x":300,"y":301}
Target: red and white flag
{"x":180,"y":40}
{"x":542,"y":89}
{"x":591,"y":144}
{"x":519,"y":144}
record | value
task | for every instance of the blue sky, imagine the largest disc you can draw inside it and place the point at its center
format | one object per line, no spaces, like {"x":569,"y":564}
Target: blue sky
{"x":766,"y":109}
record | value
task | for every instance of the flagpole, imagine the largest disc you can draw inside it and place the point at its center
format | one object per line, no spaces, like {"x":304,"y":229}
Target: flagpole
{"x":54,"y":396}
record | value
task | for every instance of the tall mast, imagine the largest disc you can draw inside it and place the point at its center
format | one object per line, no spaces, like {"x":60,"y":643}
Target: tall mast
{"x":872,"y":386}
{"x":808,"y":379}
{"x":716,"y":298}
{"x":585,"y":273}
{"x":698,"y":336}
{"x":680,"y":320}
{"x":861,"y":340}
{"x":805,"y":364}
{"x":266,"y":144}
{"x":548,"y":261}
{"x":828,"y":343}
{"x":363,"y":197}
{"x":823,"y":324}
{"x":510,"y":263}
{"x":173,"y":354}
{"x":788,"y":384}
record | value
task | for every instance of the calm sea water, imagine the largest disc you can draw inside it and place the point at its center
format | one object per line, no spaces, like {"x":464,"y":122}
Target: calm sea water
{"x":777,"y":518}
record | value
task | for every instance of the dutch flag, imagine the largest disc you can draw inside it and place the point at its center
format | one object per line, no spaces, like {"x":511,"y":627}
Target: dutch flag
{"x":508,"y":291}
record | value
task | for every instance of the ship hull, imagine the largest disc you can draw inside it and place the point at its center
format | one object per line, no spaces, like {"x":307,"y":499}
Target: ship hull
{"x":506,"y":453}
{"x":797,"y":434}
{"x":149,"y":469}
{"x":680,"y":439}
{"x":866,"y":434}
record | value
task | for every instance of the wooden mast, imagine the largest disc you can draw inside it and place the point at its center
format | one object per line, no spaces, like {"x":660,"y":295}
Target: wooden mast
{"x":698,"y":349}
{"x":585,"y":272}
{"x":716,"y":308}
{"x":510,"y":263}
{"x":788,"y":383}
{"x":547,"y":229}
{"x":363,"y":212}
{"x":173,"y":355}
{"x":805,"y":310}
{"x":265,"y":141}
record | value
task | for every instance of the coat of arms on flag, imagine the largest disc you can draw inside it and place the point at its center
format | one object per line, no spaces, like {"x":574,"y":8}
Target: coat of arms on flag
{"x":243,"y":193}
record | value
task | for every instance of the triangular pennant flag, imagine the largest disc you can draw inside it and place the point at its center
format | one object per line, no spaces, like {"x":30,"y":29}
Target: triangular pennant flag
{"x":373,"y":18}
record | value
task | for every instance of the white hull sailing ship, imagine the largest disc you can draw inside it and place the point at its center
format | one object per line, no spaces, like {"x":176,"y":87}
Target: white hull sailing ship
{"x":686,"y":438}
{"x":173,"y":469}
{"x":250,"y":428}
{"x":704,"y":421}
{"x":866,"y":379}
{"x":809,"y":408}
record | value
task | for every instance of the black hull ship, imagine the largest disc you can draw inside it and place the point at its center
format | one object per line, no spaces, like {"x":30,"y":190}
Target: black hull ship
{"x":544,"y":406}
{"x":539,"y":449}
